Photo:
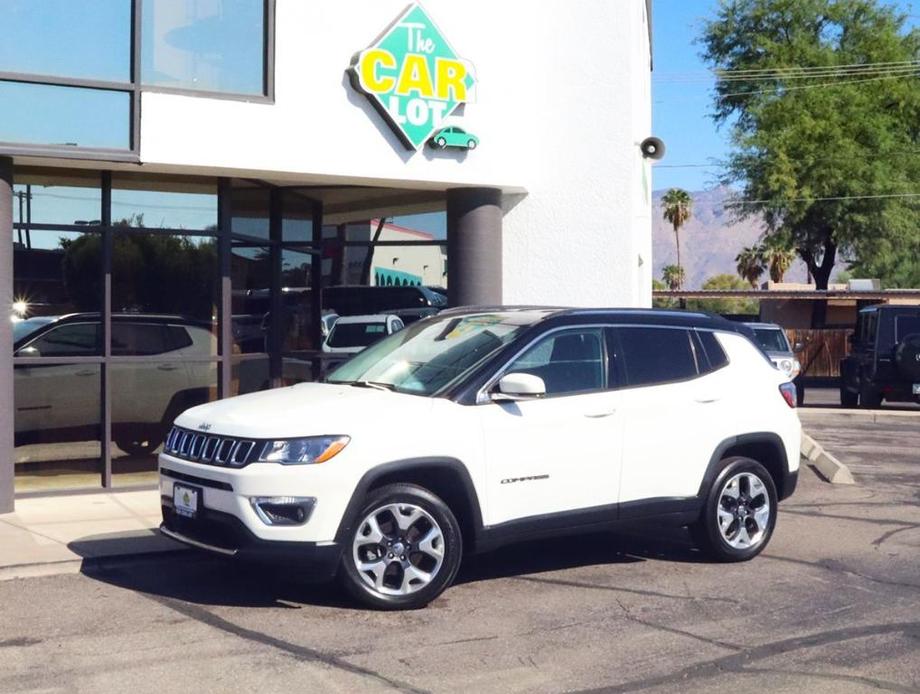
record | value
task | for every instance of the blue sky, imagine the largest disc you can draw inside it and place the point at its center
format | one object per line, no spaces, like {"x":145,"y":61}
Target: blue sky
{"x":680,"y":111}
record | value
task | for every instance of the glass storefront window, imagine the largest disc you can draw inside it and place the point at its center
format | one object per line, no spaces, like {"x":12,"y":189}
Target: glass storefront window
{"x":164,"y":279}
{"x":57,"y":425}
{"x":62,"y":38}
{"x":251,"y":301}
{"x":54,"y":198}
{"x":93,"y":118}
{"x":146,"y":398}
{"x":250,"y":211}
{"x":164,"y":203}
{"x":206,"y":45}
{"x":249,"y":374}
{"x":54,"y":273}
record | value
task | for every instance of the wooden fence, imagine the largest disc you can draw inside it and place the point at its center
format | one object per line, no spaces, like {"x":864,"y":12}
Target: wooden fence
{"x":823,"y":350}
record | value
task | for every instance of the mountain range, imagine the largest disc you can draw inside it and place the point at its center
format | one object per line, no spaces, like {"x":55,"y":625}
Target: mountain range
{"x":709,"y":241}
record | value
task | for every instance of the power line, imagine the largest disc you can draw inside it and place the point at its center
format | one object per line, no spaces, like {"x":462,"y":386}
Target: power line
{"x":820,"y":85}
{"x":792,"y":71}
{"x":883,"y":196}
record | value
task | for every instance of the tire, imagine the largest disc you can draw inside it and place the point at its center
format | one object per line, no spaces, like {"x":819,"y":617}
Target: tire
{"x":799,"y":394}
{"x":757,"y":512}
{"x":385,"y":584}
{"x":138,"y":445}
{"x":848,"y":399}
{"x":869,"y":398}
{"x":441,"y":142}
{"x":471,"y":144}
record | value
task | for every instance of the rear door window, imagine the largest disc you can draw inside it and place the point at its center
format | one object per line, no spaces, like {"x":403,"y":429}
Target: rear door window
{"x":653,"y":355}
{"x":138,"y":339}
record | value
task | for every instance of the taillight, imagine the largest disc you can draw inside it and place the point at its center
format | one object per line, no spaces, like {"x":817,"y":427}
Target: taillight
{"x":787,"y":390}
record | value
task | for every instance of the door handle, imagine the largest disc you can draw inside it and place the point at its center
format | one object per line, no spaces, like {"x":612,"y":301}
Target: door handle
{"x":86,"y":372}
{"x":601,"y":415}
{"x":707,"y":401}
{"x":167,"y":367}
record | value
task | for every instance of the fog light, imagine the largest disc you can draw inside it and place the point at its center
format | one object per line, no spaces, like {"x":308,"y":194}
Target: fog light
{"x":283,"y":510}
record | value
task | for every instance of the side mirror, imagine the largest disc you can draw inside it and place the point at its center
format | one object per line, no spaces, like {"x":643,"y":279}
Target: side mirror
{"x":519,"y":386}
{"x":28,"y":352}
{"x":798,"y":347}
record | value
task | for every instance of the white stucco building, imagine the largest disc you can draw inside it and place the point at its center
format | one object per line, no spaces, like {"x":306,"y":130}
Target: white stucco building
{"x":197,"y":153}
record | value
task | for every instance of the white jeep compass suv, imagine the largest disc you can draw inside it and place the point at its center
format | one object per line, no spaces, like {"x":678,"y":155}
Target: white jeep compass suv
{"x":480,"y":427}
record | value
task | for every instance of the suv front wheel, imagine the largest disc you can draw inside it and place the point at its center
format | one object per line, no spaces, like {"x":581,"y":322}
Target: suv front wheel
{"x":739,"y":513}
{"x":403,"y":551}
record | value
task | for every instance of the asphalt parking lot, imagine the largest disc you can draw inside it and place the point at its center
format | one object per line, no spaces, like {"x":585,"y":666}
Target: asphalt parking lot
{"x":832,"y":606}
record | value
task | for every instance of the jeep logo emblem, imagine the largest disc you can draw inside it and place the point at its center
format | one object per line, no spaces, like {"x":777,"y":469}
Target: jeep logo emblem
{"x":204,"y":427}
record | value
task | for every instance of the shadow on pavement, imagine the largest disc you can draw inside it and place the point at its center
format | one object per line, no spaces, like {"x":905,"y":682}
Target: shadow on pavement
{"x":199,"y":578}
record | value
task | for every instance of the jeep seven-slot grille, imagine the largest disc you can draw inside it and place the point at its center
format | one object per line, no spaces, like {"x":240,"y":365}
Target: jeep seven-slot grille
{"x":210,"y":449}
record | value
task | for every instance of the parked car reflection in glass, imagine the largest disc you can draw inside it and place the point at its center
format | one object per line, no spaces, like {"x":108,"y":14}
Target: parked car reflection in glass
{"x":61,"y":402}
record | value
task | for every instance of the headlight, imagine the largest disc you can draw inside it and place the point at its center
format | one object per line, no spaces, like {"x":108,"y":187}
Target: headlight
{"x":785,"y":365}
{"x":796,"y":368}
{"x":307,"y":451}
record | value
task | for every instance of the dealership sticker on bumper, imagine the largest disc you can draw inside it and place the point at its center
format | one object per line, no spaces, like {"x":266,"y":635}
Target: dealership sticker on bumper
{"x":185,"y":500}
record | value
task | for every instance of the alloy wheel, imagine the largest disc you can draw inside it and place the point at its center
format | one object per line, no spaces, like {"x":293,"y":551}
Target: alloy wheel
{"x":398,"y":549}
{"x":743,"y":511}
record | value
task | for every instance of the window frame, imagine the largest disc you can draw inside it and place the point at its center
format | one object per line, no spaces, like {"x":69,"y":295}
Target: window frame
{"x":135,"y":87}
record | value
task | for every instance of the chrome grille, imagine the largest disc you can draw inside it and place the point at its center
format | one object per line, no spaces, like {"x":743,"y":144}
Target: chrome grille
{"x":212,"y":450}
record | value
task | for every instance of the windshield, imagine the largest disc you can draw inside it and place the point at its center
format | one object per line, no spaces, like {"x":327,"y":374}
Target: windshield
{"x":428,"y":356}
{"x":772,"y":339}
{"x":356,"y":334}
{"x":24,"y":328}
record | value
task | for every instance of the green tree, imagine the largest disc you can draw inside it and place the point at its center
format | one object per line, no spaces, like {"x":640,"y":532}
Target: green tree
{"x":749,"y":265}
{"x":815,"y":136}
{"x":777,"y":257}
{"x":657,"y":286}
{"x":725,"y":282}
{"x":677,"y":206}
{"x":673,"y":276}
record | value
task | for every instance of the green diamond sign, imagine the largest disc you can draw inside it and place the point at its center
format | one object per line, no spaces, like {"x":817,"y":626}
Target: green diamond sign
{"x":413,"y":76}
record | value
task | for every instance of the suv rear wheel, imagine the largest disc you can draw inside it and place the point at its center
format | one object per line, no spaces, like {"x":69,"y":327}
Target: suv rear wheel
{"x":404,"y":550}
{"x":869,"y":397}
{"x":739,"y":513}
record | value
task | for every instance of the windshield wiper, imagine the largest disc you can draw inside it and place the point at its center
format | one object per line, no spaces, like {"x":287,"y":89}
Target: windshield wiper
{"x":374,"y":384}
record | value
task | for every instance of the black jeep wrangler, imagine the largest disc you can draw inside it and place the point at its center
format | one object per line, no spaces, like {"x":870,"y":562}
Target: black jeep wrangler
{"x":884,"y":363}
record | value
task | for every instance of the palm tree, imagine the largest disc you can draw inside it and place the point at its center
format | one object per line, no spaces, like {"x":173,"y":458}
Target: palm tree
{"x":750,"y":265}
{"x":677,"y":206}
{"x":777,"y":256}
{"x":673,"y":276}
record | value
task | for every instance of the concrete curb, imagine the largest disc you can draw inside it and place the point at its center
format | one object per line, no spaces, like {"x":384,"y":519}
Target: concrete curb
{"x":827,"y":465}
{"x":874,"y":416}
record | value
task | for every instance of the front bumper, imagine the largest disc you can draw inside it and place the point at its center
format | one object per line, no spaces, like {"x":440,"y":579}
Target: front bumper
{"x":224,"y":534}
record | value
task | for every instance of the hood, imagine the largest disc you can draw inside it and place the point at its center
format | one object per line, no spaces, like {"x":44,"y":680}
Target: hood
{"x":307,"y":409}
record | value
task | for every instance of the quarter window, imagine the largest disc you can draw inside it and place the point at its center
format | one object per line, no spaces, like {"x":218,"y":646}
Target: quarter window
{"x":713,"y":350}
{"x":656,"y":355}
{"x":568,"y":362}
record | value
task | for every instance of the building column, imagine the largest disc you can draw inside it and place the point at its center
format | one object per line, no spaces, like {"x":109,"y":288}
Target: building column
{"x":6,"y":335}
{"x":474,"y":246}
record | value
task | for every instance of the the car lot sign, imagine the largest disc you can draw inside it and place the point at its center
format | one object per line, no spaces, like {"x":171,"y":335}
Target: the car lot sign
{"x":413,"y":77}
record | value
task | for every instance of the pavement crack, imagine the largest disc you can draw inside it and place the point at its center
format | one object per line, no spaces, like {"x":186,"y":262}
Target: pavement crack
{"x":674,"y":630}
{"x":884,"y":685}
{"x":738,"y":662}
{"x":296,"y":651}
{"x":842,"y":570}
{"x":881,"y":539}
{"x":617,"y":589}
